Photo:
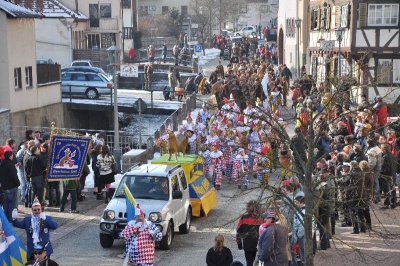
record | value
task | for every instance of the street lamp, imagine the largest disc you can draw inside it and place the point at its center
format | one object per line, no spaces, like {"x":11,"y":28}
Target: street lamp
{"x":339,"y":37}
{"x":190,"y":30}
{"x":113,"y":55}
{"x":297,"y":24}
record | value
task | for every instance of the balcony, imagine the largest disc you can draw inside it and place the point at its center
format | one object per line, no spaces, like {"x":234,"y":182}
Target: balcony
{"x":102,"y":24}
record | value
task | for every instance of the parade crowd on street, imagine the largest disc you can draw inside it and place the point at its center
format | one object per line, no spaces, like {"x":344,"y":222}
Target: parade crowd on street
{"x":241,"y":135}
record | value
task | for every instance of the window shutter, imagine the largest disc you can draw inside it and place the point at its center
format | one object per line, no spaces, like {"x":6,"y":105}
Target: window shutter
{"x":337,"y":16}
{"x":348,"y":17}
{"x":312,"y":24}
{"x":328,"y":18}
{"x":362,"y":15}
{"x":318,"y":18}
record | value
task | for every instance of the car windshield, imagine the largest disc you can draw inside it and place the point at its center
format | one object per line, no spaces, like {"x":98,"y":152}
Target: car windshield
{"x":145,"y":187}
{"x":104,"y":77}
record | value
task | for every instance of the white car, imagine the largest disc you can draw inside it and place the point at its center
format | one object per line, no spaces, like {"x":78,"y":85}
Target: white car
{"x":162,"y":193}
{"x":245,"y":31}
{"x":88,"y":63}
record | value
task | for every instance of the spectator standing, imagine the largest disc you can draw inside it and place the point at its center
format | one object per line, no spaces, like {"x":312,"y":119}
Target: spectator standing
{"x":21,"y":173}
{"x":70,"y":188}
{"x":247,"y":231}
{"x":298,"y":228}
{"x":219,"y":255}
{"x":175,"y":52}
{"x":172,"y":82}
{"x":98,"y":185}
{"x":9,"y":183}
{"x":381,"y":111}
{"x":151,"y":53}
{"x":287,"y":73}
{"x":132,"y":55}
{"x":164,"y":52}
{"x":272,"y":244}
{"x":34,"y":169}
{"x":104,"y":162}
{"x":388,"y":173}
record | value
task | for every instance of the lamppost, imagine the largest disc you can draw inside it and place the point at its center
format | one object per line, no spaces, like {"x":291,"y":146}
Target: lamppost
{"x":339,"y":37}
{"x":113,"y":54}
{"x":297,"y":24}
{"x":190,"y":32}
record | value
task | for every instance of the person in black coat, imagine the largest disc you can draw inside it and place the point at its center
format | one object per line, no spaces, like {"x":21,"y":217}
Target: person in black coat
{"x":34,"y":168}
{"x":219,"y":255}
{"x":9,"y":183}
{"x":388,"y":173}
{"x":247,"y":231}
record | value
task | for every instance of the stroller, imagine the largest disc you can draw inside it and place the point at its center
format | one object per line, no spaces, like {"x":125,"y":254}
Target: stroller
{"x":227,"y":54}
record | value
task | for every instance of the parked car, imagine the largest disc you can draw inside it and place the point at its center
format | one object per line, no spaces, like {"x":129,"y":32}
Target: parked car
{"x":44,"y":61}
{"x":88,"y":63}
{"x":248,"y":30}
{"x":162,"y":193}
{"x":83,"y":69}
{"x":85,"y":83}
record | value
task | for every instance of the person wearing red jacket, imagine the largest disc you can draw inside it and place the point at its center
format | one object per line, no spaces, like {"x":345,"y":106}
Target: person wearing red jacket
{"x":382,"y":113}
{"x":247,"y":231}
{"x":131,"y":54}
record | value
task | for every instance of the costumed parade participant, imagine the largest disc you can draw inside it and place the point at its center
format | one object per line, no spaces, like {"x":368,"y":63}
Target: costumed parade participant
{"x":37,"y":227}
{"x":192,"y":140}
{"x":215,"y":169}
{"x":41,"y":258}
{"x":203,"y":115}
{"x":231,"y":146}
{"x":140,"y":236}
{"x":240,"y":169}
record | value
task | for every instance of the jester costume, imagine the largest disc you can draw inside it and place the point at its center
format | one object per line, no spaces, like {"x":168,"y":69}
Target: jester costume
{"x":140,"y":243}
{"x":240,"y":169}
{"x":215,"y":169}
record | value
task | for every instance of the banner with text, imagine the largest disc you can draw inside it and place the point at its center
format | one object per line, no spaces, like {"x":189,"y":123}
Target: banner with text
{"x":67,"y":157}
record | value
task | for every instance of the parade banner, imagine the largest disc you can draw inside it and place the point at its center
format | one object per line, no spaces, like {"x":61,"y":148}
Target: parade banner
{"x":67,"y":157}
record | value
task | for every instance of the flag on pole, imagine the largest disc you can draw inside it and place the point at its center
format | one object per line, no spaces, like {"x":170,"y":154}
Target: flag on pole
{"x":12,"y":251}
{"x":130,"y":204}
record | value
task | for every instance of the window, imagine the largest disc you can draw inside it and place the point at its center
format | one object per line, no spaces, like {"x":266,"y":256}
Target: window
{"x":314,"y":19}
{"x":344,"y":67}
{"x":183,"y":180}
{"x":314,"y":65}
{"x":396,"y":71}
{"x":94,"y":15}
{"x":384,"y":70}
{"x":66,"y":76}
{"x":107,"y":39}
{"x":17,"y":78}
{"x":343,"y":16}
{"x":383,"y":14}
{"x":165,"y":10}
{"x":126,"y":3}
{"x":105,"y":10}
{"x":28,"y":76}
{"x":93,"y":41}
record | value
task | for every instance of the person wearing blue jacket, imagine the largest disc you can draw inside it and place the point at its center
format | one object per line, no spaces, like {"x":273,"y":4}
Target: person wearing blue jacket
{"x":37,"y":227}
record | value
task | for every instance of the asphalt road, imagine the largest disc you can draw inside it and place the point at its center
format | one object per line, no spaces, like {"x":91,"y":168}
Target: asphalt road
{"x":77,"y":241}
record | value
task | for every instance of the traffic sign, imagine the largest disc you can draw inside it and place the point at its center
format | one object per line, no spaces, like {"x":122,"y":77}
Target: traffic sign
{"x":198,"y":48}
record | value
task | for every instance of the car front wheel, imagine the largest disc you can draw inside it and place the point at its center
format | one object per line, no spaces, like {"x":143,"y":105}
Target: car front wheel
{"x":106,"y":240}
{"x":166,"y":241}
{"x":92,"y":93}
{"x":185,"y":228}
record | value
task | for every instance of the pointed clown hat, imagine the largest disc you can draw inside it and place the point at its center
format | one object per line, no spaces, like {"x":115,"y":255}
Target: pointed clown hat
{"x":36,"y":202}
{"x":138,"y":210}
{"x":189,"y":117}
{"x":231,"y":97}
